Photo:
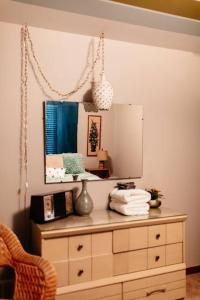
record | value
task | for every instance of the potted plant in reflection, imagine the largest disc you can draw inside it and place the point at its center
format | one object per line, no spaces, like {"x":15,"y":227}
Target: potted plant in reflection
{"x":156,"y":195}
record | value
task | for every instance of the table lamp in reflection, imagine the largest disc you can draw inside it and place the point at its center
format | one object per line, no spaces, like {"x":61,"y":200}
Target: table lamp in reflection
{"x":102,"y":156}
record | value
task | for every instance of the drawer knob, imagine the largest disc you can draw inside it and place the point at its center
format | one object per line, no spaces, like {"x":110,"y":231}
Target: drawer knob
{"x":157,"y":236}
{"x":80,"y":272}
{"x":157,"y":258}
{"x":79,"y":247}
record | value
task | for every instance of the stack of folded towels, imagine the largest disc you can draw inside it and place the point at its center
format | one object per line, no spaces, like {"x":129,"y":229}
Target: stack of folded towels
{"x":130,"y":201}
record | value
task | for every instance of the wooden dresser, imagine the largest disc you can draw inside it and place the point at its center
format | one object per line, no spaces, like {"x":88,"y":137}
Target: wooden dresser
{"x":113,"y":257}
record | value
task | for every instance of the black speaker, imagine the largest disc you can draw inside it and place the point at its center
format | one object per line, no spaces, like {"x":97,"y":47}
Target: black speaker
{"x":51,"y":206}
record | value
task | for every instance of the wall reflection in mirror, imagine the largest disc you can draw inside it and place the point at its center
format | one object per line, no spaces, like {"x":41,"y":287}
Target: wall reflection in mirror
{"x":92,"y":145}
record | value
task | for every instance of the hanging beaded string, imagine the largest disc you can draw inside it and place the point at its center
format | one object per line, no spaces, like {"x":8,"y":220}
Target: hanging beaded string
{"x":21,"y":145}
{"x":31,"y":55}
{"x":24,"y":118}
{"x":102,"y":52}
{"x":28,"y":56}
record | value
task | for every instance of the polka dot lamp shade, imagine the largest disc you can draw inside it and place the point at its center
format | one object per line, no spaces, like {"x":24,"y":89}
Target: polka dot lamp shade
{"x":102,"y":93}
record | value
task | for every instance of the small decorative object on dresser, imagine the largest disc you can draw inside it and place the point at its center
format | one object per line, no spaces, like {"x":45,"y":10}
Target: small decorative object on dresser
{"x":51,"y":206}
{"x":84,"y":203}
{"x":126,"y":185}
{"x":155,"y":196}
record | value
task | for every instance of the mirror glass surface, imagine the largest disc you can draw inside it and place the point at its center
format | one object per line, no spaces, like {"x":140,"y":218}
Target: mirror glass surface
{"x":81,"y":144}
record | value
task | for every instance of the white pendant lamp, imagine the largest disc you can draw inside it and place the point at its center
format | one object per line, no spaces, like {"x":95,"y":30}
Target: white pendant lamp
{"x":102,"y":91}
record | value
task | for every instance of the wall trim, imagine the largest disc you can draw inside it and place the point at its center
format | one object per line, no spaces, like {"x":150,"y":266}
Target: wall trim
{"x":192,"y":270}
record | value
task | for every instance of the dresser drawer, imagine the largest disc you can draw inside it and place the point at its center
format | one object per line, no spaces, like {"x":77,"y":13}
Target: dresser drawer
{"x":138,"y":237}
{"x":120,"y":263}
{"x":116,"y":297}
{"x":174,"y":233}
{"x":79,"y":270}
{"x":101,"y":243}
{"x":109,"y":292}
{"x":174,"y":254}
{"x":79,"y":246}
{"x":55,"y":249}
{"x":178,"y":294}
{"x":156,"y":235}
{"x":158,"y":292}
{"x":77,"y":297}
{"x":168,"y":286}
{"x":102,"y":266}
{"x":137,"y":260}
{"x":131,"y":261}
{"x":61,"y":273}
{"x":130,"y":239}
{"x":156,"y":257}
{"x":120,"y":240}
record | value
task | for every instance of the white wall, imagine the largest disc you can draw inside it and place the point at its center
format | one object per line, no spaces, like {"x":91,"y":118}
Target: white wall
{"x":164,"y":81}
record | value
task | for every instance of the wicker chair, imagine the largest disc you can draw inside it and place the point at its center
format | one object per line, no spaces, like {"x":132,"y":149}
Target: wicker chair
{"x":35,"y":278}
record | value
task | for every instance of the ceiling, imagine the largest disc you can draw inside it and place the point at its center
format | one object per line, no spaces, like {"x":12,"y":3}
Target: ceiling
{"x":183,"y":8}
{"x":118,"y":21}
{"x":118,"y":10}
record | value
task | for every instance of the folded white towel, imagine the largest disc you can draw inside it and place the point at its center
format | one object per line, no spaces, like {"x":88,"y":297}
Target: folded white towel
{"x":136,"y":200}
{"x":129,"y":195}
{"x":123,"y":209}
{"x":129,"y":192}
{"x":131,"y":204}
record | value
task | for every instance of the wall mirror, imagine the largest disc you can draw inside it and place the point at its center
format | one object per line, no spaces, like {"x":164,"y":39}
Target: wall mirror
{"x":101,"y":145}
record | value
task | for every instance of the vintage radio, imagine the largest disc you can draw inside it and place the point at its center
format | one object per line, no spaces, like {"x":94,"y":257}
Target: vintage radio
{"x":51,"y":206}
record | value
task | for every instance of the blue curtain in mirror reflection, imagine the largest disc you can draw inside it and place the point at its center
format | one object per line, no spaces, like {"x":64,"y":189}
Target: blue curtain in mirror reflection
{"x":61,"y":127}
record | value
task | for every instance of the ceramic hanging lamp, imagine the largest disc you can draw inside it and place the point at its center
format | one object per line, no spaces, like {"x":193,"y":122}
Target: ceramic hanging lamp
{"x":102,"y":91}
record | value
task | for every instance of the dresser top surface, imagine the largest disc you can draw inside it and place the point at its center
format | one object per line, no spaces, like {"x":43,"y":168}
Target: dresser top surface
{"x":106,"y":219}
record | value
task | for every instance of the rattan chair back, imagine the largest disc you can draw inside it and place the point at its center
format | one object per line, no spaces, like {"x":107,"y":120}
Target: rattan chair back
{"x":35,"y":277}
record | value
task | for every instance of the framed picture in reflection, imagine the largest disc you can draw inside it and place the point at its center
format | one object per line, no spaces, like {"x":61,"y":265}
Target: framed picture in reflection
{"x":93,"y":135}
